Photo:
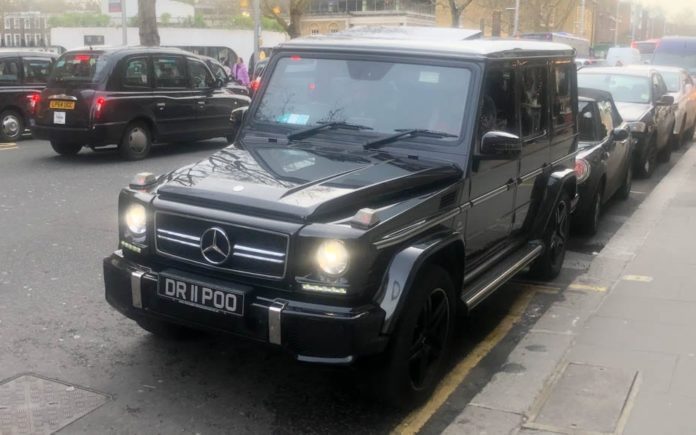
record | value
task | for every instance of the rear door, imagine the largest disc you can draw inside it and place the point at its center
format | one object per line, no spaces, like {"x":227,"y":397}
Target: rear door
{"x":615,"y":151}
{"x":175,"y":102}
{"x":664,"y":115}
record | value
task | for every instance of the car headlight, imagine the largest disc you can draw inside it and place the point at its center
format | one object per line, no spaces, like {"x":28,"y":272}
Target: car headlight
{"x":637,"y":127}
{"x":136,"y":219}
{"x":332,"y":257}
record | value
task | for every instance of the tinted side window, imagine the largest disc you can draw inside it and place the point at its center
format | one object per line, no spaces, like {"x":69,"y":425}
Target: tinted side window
{"x":170,"y":72}
{"x":9,"y":71}
{"x":200,"y":77}
{"x":498,"y":109}
{"x":135,"y":74}
{"x":534,"y":107}
{"x":36,"y":71}
{"x":605,"y":116}
{"x":562,"y":101}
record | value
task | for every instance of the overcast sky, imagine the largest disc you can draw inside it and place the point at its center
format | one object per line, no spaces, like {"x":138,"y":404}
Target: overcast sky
{"x":671,"y":7}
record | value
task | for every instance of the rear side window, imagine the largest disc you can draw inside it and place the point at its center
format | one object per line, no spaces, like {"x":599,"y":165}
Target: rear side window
{"x":170,"y":72}
{"x":9,"y":71}
{"x":497,"y":112}
{"x":136,"y":74}
{"x":200,"y":77}
{"x":534,"y":108}
{"x":36,"y":71}
{"x":586,"y":126}
{"x":562,"y":100}
{"x":79,"y":67}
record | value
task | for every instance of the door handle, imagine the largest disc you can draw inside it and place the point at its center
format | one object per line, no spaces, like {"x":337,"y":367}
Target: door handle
{"x":161,"y":105}
{"x":201,"y":103}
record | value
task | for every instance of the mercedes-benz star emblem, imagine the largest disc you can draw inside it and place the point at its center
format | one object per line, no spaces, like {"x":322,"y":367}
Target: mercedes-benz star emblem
{"x":215,"y":245}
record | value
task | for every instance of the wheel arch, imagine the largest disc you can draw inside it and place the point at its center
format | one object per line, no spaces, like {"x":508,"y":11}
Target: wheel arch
{"x":148,"y":121}
{"x":17,"y":109}
{"x":559,"y":182}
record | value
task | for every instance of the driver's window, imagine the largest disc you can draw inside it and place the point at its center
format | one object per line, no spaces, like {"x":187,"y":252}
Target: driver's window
{"x":498,"y":107}
{"x":199,"y":76}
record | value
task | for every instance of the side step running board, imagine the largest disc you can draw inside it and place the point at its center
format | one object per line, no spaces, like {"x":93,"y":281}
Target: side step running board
{"x":499,"y":275}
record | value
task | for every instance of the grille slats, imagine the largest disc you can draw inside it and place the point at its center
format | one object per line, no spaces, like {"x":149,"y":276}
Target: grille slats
{"x":252,"y":251}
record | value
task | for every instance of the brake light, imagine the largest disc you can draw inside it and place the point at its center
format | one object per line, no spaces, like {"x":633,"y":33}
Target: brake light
{"x":295,"y":58}
{"x":99,"y":107}
{"x":82,"y":57}
{"x":255,"y":84}
{"x":34,"y":100}
{"x":582,"y":170}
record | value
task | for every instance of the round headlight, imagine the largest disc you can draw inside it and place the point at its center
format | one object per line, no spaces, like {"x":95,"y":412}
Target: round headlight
{"x":136,"y":219}
{"x":332,"y":257}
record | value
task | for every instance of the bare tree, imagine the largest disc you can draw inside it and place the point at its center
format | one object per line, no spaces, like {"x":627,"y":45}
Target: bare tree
{"x":549,"y":15}
{"x":296,"y":8}
{"x":455,"y":8}
{"x":147,"y":23}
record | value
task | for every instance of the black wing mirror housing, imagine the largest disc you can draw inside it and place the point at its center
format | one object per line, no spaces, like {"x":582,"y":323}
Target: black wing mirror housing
{"x":238,"y":115}
{"x":665,"y":100}
{"x":620,"y":134}
{"x":500,"y":143}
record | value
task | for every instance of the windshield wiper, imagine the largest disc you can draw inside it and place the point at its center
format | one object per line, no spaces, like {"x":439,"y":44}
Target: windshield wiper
{"x":307,"y":132}
{"x":404,"y":133}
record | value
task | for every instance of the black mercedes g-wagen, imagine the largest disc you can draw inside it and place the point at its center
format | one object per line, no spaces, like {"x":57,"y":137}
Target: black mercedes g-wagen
{"x":376,"y":187}
{"x":22,"y":76}
{"x":132,"y":97}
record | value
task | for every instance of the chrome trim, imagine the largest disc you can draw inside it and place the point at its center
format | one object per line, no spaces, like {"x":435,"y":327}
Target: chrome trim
{"x":500,"y":280}
{"x":182,"y":242}
{"x":212,"y":266}
{"x":275,"y":311}
{"x":258,"y":251}
{"x":488,"y":195}
{"x":136,"y":292}
{"x":401,"y":235}
{"x":62,"y":97}
{"x":535,"y":173}
{"x":183,"y":236}
{"x":256,"y":257}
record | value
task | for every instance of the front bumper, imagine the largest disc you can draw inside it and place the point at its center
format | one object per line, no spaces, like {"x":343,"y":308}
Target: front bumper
{"x":97,"y":135}
{"x":311,"y":332}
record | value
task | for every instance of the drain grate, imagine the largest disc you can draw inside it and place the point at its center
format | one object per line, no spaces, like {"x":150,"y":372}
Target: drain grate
{"x":30,"y":405}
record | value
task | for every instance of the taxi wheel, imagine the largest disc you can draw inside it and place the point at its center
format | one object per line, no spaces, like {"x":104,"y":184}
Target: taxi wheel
{"x":415,"y":358}
{"x":11,"y":126}
{"x":66,"y":148}
{"x":136,"y":142}
{"x":166,"y":330}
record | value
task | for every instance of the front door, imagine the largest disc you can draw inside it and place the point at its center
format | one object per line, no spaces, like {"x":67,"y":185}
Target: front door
{"x":493,"y":178}
{"x":175,"y":102}
{"x":214,"y":105}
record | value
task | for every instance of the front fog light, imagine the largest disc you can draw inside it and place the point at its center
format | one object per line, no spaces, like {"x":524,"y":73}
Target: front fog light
{"x":332,"y":257}
{"x":136,"y":219}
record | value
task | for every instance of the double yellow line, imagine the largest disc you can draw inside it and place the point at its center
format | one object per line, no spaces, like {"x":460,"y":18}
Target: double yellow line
{"x":8,"y":146}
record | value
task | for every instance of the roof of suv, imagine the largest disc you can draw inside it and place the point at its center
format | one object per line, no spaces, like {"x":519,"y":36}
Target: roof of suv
{"x":447,"y":46}
{"x":621,"y":70}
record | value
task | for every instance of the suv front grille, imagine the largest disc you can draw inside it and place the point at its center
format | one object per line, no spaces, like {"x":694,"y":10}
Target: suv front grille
{"x":245,"y":250}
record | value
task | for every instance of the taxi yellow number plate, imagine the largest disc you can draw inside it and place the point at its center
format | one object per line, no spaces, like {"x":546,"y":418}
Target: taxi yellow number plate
{"x":65,"y":105}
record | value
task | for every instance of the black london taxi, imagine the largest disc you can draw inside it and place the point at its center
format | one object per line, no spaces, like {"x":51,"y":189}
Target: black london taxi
{"x":376,"y":188}
{"x":603,"y":164}
{"x":645,"y":104}
{"x":132,"y":97}
{"x":22,"y":76}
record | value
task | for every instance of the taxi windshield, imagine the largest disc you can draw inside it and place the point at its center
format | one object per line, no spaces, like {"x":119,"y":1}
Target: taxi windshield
{"x":381,"y":96}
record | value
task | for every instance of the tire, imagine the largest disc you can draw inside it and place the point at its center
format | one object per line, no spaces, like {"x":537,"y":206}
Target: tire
{"x":625,"y":190}
{"x":136,"y":142}
{"x":166,"y":330}
{"x":645,"y":164}
{"x":665,"y":153}
{"x":590,"y":222}
{"x":65,"y":148}
{"x":414,"y":360}
{"x":11,"y":126}
{"x":548,"y":266}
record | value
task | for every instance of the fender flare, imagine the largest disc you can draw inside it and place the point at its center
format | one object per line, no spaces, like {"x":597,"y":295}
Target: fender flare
{"x":402,"y":272}
{"x":558,"y":182}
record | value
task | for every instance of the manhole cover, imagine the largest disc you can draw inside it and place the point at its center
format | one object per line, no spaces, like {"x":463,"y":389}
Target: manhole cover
{"x":587,"y":398}
{"x":33,"y":405}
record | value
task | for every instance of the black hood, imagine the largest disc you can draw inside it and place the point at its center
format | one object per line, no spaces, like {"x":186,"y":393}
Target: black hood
{"x":303,"y":184}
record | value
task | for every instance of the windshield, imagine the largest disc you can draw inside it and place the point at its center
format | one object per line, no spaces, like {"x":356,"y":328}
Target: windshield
{"x":79,"y":67}
{"x":384,"y":96}
{"x":684,"y":60}
{"x":624,"y":88}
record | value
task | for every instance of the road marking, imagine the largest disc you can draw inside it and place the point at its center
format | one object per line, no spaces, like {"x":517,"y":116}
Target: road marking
{"x":8,"y":145}
{"x":592,"y":288}
{"x":415,"y":420}
{"x":637,"y":278}
{"x":8,"y":148}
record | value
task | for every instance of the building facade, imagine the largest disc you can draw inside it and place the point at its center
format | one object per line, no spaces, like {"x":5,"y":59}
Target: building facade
{"x":24,"y":29}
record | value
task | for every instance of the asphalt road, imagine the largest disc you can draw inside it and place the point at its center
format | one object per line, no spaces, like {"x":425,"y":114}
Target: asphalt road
{"x":58,"y":220}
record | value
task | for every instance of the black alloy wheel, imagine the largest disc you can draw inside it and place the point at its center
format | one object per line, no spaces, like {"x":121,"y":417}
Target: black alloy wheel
{"x":549,"y":264}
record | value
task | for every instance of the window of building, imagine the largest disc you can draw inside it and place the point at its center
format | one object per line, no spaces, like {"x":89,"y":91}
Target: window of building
{"x":16,"y":22}
{"x":7,"y":39}
{"x":534,"y":103}
{"x":27,"y":23}
{"x":17,"y":39}
{"x":8,"y":23}
{"x":333,"y":28}
{"x":37,"y":39}
{"x":314,"y":30}
{"x":562,"y":102}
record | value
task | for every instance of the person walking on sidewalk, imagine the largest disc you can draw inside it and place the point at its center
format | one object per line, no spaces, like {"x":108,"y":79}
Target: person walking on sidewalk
{"x":240,"y":72}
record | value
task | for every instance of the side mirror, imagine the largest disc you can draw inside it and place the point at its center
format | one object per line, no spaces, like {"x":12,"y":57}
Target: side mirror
{"x":237,"y":116}
{"x":219,"y":83}
{"x":500,"y":143}
{"x":665,"y":100}
{"x":619,"y":134}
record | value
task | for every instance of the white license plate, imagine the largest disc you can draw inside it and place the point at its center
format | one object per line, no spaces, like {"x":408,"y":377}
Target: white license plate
{"x":59,"y":117}
{"x":201,"y":296}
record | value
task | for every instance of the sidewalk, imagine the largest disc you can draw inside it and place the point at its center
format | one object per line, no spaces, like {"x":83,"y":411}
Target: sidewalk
{"x":617,"y":352}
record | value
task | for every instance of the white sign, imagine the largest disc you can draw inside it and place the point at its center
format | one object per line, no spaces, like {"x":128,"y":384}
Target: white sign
{"x":59,"y":117}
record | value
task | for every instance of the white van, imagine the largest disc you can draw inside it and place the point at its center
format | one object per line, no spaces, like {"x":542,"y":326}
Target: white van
{"x":622,"y":56}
